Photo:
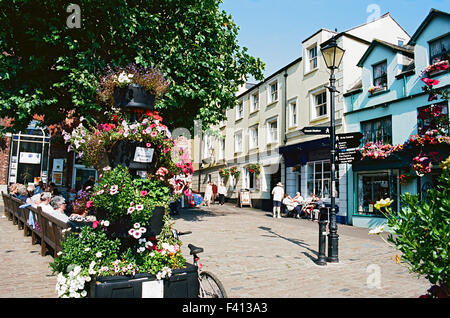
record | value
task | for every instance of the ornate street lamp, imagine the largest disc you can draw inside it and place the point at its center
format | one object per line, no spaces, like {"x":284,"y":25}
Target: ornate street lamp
{"x":332,"y":54}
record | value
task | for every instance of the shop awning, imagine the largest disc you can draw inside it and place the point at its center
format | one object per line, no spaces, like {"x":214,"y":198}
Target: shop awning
{"x":298,"y":153}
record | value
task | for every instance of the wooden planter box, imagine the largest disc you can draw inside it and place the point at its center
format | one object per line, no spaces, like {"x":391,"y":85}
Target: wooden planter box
{"x":183,"y":283}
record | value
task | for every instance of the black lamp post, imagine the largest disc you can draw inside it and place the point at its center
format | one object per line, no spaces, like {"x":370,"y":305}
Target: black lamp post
{"x":332,"y":54}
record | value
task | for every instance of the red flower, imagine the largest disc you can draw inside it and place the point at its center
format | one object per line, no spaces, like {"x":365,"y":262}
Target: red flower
{"x":429,"y":81}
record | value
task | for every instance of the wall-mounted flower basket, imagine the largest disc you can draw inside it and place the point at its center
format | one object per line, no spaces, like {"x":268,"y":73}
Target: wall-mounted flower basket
{"x":436,"y":67}
{"x":255,"y":168}
{"x":376,"y":89}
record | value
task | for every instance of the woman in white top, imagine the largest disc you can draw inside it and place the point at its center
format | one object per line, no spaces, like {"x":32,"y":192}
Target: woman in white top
{"x":58,"y":203}
{"x":208,"y":194}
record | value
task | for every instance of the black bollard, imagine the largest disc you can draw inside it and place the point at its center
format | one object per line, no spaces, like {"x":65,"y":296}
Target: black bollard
{"x":323,"y":220}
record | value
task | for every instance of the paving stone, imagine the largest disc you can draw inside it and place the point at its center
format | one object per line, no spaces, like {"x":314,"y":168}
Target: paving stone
{"x":254,"y":255}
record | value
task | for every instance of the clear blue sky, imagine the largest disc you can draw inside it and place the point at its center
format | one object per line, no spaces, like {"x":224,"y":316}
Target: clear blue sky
{"x":273,"y":30}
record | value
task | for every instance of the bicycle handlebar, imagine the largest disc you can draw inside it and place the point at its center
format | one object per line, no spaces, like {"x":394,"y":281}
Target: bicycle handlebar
{"x":184,"y":233}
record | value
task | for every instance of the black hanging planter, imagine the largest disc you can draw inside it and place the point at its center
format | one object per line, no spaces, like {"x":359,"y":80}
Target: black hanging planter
{"x":133,"y":97}
{"x":133,"y":155}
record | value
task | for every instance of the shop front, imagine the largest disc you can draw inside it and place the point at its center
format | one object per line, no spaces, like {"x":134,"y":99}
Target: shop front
{"x":308,"y":171}
{"x":29,"y":156}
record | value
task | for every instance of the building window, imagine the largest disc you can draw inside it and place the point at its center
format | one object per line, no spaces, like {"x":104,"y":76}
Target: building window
{"x":207,"y":146}
{"x":380,"y":74}
{"x":433,"y":117}
{"x":320,"y":104}
{"x":253,"y":137}
{"x":373,"y":187}
{"x":240,"y":110}
{"x":378,"y":130}
{"x":439,"y":49}
{"x":292,"y":114}
{"x":221,"y":148}
{"x":254,"y":102}
{"x":238,"y":142}
{"x":312,"y":56}
{"x":272,"y":131}
{"x":250,"y":179}
{"x":273,"y":92}
{"x":319,"y":179}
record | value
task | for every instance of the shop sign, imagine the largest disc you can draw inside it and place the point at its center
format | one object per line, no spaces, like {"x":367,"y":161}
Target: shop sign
{"x":316,"y":130}
{"x":143,"y":154}
{"x":30,"y":157}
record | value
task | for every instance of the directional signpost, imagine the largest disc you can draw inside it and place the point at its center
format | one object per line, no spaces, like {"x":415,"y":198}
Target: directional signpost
{"x":315,"y":130}
{"x":346,"y":146}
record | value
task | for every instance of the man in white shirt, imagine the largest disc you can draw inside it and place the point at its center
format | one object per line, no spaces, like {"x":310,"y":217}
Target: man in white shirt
{"x":278,"y":194}
{"x":222,"y":190}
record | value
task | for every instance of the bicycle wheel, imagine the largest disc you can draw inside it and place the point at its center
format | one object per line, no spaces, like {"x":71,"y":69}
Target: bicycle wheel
{"x":210,"y":286}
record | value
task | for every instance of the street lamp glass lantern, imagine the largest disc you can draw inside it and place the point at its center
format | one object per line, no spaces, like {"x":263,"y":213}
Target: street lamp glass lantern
{"x":332,"y":54}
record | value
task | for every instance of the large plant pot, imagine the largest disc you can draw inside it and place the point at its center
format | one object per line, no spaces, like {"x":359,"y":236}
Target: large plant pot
{"x":133,"y":155}
{"x":133,"y":97}
{"x":183,"y":283}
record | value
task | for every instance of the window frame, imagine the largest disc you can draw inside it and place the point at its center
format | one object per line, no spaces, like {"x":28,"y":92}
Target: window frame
{"x":240,"y":110}
{"x":254,"y":128}
{"x":269,"y":130}
{"x":292,"y":114}
{"x":271,"y":94}
{"x":312,"y":59}
{"x":441,"y":38}
{"x":324,"y":179}
{"x":314,"y":106}
{"x":384,"y":76}
{"x":236,"y":150}
{"x":252,"y":102}
{"x":373,"y":131}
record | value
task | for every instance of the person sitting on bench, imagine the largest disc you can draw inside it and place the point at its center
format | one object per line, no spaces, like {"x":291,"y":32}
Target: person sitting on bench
{"x":291,"y":206}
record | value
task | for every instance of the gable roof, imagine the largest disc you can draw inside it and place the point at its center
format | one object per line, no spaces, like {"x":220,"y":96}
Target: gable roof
{"x":431,"y":15}
{"x":405,"y":50}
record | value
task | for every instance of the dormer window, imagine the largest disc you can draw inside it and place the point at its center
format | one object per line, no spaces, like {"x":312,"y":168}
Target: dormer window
{"x":312,"y":56}
{"x":439,"y":49}
{"x":380,"y":74}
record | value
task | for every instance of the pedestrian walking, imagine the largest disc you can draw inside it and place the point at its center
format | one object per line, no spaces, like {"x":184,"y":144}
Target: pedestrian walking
{"x":278,"y":194}
{"x":208,"y":194}
{"x":222,"y":190}
{"x":214,"y":192}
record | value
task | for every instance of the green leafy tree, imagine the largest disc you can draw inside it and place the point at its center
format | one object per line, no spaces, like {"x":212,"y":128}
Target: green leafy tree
{"x":49,"y":69}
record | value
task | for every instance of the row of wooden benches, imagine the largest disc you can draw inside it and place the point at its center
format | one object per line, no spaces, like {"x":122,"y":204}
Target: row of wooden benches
{"x":44,"y":228}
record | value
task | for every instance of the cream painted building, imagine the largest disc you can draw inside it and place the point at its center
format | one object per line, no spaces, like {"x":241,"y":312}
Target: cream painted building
{"x":265,"y":126}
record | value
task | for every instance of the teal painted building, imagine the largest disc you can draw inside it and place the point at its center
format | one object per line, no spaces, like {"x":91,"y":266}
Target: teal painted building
{"x":387,"y":106}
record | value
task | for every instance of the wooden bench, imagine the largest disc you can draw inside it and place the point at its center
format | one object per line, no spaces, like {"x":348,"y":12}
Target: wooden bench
{"x":46,"y":228}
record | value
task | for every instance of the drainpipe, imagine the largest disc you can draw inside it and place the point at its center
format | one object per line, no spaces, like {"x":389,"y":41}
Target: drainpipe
{"x":283,"y":115}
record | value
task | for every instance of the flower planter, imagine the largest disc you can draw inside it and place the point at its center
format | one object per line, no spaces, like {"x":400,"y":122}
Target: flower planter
{"x":133,"y":155}
{"x":119,"y":229}
{"x":133,"y":96}
{"x":183,"y":283}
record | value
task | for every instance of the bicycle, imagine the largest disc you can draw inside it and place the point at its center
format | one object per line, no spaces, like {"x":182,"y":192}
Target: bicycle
{"x":209,"y":285}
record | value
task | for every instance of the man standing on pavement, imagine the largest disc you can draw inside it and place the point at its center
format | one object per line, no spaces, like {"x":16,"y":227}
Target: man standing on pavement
{"x":278,"y":193}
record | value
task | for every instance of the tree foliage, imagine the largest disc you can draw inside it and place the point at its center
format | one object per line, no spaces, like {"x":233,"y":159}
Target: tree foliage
{"x":49,"y":69}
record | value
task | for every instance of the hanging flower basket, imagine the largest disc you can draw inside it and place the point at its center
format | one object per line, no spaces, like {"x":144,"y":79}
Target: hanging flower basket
{"x":255,"y":168}
{"x":134,"y":96}
{"x":133,"y":87}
